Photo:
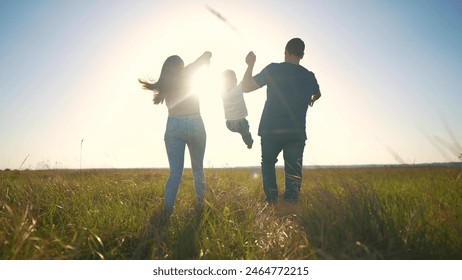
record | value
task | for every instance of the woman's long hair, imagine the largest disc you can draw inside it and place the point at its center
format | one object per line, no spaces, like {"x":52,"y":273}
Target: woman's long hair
{"x":169,"y":79}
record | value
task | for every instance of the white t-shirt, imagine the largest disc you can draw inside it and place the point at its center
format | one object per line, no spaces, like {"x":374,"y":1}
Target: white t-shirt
{"x":234,"y":104}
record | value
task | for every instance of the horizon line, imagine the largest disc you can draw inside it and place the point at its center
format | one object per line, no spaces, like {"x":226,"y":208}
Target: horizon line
{"x":319,"y":166}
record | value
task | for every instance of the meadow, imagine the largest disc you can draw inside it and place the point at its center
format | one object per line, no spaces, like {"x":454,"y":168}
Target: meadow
{"x":346,"y":213}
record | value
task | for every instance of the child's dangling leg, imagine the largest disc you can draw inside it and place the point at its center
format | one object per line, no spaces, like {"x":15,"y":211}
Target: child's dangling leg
{"x":247,"y":137}
{"x":242,"y":127}
{"x":244,"y":130}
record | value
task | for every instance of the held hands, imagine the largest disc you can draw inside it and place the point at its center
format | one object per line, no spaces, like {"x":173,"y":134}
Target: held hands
{"x":250,"y":59}
{"x":248,"y":83}
{"x":206,"y":56}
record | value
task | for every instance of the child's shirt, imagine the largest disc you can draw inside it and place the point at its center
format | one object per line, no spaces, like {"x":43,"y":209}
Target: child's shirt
{"x":234,"y":104}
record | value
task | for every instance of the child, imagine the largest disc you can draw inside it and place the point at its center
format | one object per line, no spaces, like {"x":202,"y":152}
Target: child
{"x":235,"y":109}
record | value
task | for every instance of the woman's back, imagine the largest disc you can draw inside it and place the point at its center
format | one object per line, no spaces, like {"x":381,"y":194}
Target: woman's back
{"x":183,"y":101}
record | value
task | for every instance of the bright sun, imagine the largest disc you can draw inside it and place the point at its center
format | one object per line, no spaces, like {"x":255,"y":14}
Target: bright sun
{"x":208,"y":85}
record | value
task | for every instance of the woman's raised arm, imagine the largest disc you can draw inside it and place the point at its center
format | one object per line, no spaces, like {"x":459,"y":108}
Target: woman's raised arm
{"x":204,"y":59}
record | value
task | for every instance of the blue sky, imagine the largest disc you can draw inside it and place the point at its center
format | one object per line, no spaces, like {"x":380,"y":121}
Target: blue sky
{"x":389,"y":72}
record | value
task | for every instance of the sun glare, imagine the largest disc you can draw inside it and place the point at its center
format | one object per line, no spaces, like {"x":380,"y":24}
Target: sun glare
{"x":208,"y":85}
{"x":207,"y":82}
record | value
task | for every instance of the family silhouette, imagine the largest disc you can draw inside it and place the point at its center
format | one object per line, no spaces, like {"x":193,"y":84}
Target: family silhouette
{"x":291,"y":89}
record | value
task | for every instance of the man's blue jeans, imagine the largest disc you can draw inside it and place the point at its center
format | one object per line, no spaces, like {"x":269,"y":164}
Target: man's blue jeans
{"x":184,"y":131}
{"x":292,"y":149}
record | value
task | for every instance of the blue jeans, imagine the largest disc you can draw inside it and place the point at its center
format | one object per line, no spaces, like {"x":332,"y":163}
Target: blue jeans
{"x":242,"y":127}
{"x":182,"y":131}
{"x":292,"y":149}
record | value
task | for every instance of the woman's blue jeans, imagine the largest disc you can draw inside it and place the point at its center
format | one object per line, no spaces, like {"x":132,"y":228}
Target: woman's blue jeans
{"x":292,"y":149}
{"x":184,"y":131}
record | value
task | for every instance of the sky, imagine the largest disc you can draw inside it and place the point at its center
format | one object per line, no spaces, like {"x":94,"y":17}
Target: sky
{"x":389,"y":73}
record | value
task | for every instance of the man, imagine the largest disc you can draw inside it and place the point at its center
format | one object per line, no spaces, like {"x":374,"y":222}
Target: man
{"x":290,"y":90}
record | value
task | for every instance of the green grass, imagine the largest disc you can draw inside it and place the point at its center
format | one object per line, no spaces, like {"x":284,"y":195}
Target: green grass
{"x":377,"y":213}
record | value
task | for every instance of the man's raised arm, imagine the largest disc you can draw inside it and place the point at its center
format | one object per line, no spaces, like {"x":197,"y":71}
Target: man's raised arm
{"x":248,"y":83}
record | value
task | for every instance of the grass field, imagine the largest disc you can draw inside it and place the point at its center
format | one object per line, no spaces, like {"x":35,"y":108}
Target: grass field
{"x":373,"y":213}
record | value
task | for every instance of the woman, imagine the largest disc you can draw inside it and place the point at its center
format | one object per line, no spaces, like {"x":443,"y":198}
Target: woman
{"x":184,"y":124}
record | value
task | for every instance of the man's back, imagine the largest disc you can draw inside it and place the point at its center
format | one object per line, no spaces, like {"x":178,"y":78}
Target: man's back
{"x":289,"y":91}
